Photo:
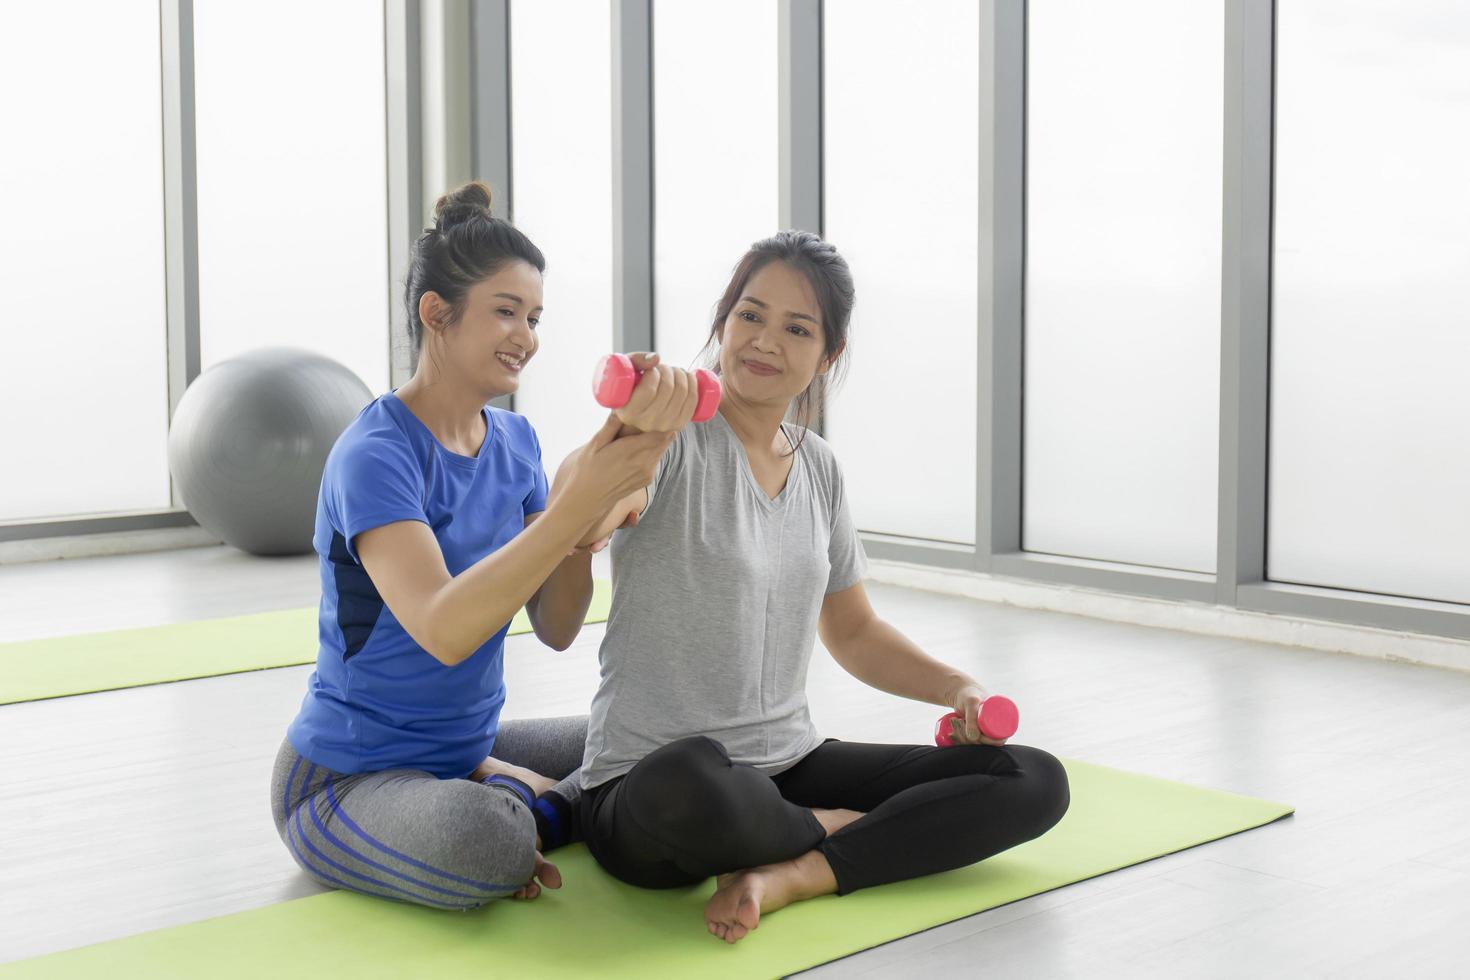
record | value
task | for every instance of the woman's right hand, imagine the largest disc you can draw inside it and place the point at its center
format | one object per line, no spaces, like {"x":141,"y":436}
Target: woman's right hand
{"x":664,"y":399}
{"x":608,"y":469}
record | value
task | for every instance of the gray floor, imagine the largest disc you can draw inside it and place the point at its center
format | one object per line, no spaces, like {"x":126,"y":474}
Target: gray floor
{"x":132,"y":810}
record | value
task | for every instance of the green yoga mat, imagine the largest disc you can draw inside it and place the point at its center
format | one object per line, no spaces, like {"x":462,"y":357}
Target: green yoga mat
{"x":596,"y":926}
{"x":52,"y":668}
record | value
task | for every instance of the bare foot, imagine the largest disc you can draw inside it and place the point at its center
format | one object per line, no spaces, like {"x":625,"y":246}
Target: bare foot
{"x":834,"y":820}
{"x":494,"y":767}
{"x":735,"y":909}
{"x":545,"y":874}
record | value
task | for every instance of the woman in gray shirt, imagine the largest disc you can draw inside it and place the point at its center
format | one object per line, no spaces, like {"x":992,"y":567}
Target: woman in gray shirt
{"x":701,"y":755}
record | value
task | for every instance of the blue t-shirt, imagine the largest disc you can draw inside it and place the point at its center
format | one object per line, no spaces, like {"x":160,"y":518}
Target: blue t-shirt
{"x":377,"y":699}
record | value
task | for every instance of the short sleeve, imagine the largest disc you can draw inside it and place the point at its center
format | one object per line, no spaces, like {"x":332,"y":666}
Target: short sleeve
{"x":372,"y":483}
{"x":535,"y":501}
{"x":844,"y":549}
{"x":668,"y":464}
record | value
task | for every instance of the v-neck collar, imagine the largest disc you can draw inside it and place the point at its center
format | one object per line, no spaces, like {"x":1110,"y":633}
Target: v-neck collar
{"x":784,"y":494}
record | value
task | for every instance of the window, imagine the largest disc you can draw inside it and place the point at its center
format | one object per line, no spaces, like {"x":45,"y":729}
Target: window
{"x":901,"y":110}
{"x":715,"y":157}
{"x":1370,"y":335}
{"x":561,"y":117}
{"x":85,"y":403}
{"x":291,"y":154}
{"x":1124,"y":130}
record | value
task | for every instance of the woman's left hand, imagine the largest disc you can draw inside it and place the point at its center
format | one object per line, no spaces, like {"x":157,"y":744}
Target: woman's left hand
{"x":966,"y":702}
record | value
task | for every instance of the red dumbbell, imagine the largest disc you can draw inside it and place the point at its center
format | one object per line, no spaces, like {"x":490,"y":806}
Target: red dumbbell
{"x":998,"y":719}
{"x":613,"y":381}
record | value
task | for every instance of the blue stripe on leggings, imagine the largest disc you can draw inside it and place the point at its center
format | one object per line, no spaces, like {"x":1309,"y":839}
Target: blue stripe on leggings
{"x":305,"y":862}
{"x":301,"y":858}
{"x":301,"y":833}
{"x":352,"y":826}
{"x":286,"y":793}
{"x":317,"y":872}
{"x":316,"y":819}
{"x":306,"y":781}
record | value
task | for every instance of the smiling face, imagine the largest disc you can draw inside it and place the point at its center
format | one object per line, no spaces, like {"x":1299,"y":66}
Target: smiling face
{"x":494,"y":338}
{"x":772,"y":343}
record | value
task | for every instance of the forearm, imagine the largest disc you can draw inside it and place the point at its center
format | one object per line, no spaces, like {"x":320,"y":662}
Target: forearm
{"x":615,"y":518}
{"x":473,"y":605}
{"x":880,"y":656}
{"x":559,"y":608}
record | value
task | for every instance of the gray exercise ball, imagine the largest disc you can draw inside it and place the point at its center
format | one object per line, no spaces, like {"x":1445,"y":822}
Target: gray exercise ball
{"x":250,"y":439}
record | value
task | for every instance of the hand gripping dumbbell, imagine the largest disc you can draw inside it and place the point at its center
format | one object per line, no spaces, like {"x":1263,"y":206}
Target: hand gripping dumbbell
{"x":613,"y":381}
{"x":998,"y":719}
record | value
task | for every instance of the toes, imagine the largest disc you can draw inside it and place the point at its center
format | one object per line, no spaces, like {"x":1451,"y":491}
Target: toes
{"x":748,"y":914}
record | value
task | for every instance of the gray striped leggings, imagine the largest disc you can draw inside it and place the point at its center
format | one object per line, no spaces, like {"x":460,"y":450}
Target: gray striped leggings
{"x":408,"y":835}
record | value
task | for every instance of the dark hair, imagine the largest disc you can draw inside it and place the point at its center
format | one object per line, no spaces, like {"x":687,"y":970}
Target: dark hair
{"x":830,"y":279}
{"x":467,"y":245}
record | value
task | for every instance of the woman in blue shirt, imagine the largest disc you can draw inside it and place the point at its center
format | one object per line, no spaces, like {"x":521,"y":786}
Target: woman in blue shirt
{"x":435,"y":524}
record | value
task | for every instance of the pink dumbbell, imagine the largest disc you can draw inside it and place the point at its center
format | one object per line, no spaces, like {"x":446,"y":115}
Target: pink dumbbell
{"x":613,"y":381}
{"x":998,"y":719}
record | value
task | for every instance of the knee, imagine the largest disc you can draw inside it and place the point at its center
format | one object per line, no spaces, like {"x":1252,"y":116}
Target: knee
{"x":485,"y":848}
{"x":454,"y":845}
{"x":497,"y":840}
{"x":1048,"y":793}
{"x":680,"y":789}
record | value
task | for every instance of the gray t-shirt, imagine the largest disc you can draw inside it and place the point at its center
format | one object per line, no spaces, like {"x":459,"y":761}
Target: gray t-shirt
{"x":716,"y":595}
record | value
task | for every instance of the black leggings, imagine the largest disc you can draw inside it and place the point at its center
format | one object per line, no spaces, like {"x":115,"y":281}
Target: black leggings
{"x":686,"y":812}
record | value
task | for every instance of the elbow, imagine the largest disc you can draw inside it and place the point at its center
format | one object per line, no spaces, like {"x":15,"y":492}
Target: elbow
{"x":432,"y":631}
{"x":856,"y":633}
{"x":837,"y":642}
{"x":449,"y":651}
{"x":448,"y":656}
{"x":554,"y":631}
{"x":558,"y":641}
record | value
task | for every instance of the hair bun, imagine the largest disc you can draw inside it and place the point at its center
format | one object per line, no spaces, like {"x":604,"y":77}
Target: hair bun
{"x":464,"y":203}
